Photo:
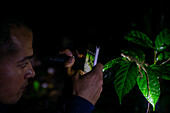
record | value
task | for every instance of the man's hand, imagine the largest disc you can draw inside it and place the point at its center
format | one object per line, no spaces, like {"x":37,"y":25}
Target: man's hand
{"x":89,"y":86}
{"x":70,"y":62}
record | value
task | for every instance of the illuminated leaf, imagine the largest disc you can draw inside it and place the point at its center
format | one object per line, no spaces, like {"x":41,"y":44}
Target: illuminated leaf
{"x":125,"y":79}
{"x":110,"y":64}
{"x":110,"y":69}
{"x":109,"y":74}
{"x":152,"y":94}
{"x":163,"y":56}
{"x":139,"y":38}
{"x":162,"y":40}
{"x":160,"y":57}
{"x":163,"y":71}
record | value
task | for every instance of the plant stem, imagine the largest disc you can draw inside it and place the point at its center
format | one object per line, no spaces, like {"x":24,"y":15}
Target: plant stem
{"x":155,"y":57}
{"x":165,"y":61}
{"x":148,"y":108}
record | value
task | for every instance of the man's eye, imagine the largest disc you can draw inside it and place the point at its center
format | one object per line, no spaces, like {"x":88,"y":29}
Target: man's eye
{"x":24,"y":65}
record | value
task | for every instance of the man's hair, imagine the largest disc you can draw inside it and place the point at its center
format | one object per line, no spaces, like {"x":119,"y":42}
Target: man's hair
{"x":7,"y":46}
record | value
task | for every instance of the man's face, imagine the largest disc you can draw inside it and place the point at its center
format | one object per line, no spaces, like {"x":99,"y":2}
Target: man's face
{"x":15,"y":70}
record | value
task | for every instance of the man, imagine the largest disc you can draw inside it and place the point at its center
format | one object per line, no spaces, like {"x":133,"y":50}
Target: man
{"x":16,"y":52}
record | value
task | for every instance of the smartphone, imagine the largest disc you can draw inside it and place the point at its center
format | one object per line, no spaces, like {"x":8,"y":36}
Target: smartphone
{"x":91,"y":57}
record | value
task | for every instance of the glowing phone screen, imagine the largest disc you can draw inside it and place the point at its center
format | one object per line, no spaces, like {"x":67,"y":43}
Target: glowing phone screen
{"x":91,"y":59}
{"x":88,"y":65}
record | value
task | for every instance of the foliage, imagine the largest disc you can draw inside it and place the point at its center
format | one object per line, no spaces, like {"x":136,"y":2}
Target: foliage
{"x":131,"y":68}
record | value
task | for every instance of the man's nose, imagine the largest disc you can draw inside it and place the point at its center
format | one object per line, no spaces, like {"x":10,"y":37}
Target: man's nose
{"x":30,"y":73}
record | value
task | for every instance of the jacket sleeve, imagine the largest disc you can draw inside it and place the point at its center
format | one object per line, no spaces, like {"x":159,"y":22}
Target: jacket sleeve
{"x":78,"y":104}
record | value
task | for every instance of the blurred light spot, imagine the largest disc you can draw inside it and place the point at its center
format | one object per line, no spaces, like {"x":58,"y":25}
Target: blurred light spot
{"x":51,"y":70}
{"x":36,"y":85}
{"x":44,"y":85}
{"x":161,"y":47}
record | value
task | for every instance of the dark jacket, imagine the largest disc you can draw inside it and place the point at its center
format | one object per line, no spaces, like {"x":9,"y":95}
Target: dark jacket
{"x":75,"y":104}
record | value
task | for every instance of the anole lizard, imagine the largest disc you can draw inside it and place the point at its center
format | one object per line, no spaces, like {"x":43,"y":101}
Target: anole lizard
{"x":140,"y":65}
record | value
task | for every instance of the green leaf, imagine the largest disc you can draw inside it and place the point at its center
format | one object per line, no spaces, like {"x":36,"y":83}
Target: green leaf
{"x":110,"y":69}
{"x":160,"y":57}
{"x":152,"y":94}
{"x":110,"y":64}
{"x":164,"y":55}
{"x":125,"y":79}
{"x":162,"y":40}
{"x":163,"y":71}
{"x":109,"y":74}
{"x":139,"y":38}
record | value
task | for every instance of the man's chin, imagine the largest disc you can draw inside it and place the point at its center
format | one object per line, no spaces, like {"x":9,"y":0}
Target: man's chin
{"x":16,"y":99}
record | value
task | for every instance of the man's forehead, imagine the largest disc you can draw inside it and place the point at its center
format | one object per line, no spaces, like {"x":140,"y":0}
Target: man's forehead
{"x":22,"y":37}
{"x":21,"y":31}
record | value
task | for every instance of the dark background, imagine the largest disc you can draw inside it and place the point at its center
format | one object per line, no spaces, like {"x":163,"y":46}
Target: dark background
{"x":74,"y":25}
